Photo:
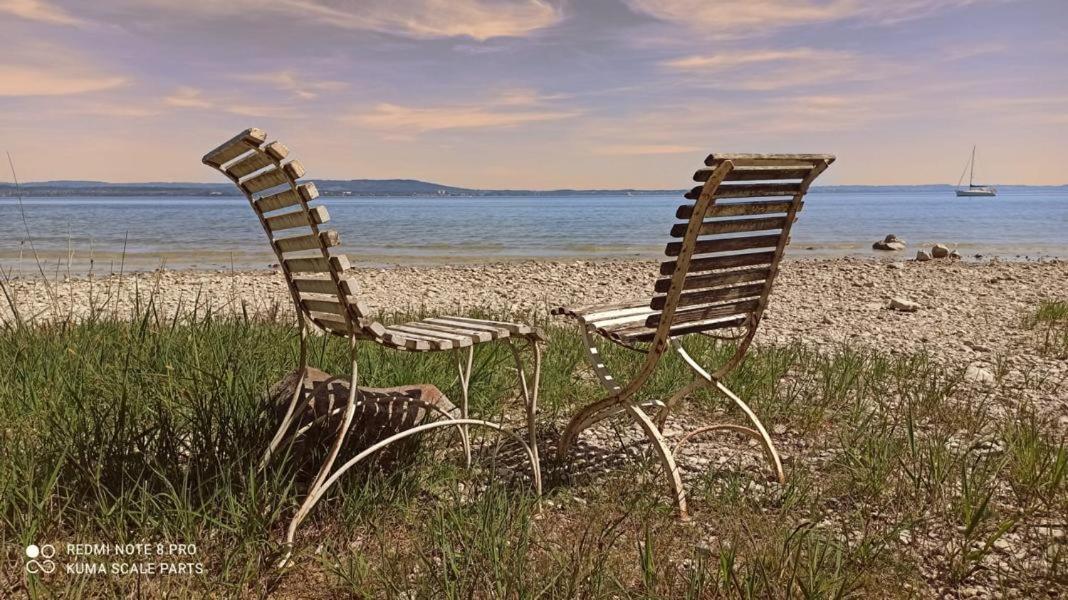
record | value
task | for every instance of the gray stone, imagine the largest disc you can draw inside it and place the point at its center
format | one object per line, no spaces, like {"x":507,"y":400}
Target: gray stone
{"x":890,"y":242}
{"x":904,"y":305}
{"x":978,"y":374}
{"x":940,"y":251}
{"x":922,"y":256}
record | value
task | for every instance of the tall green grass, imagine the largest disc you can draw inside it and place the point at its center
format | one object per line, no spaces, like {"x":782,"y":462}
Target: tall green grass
{"x":1051,"y":320}
{"x":150,"y":429}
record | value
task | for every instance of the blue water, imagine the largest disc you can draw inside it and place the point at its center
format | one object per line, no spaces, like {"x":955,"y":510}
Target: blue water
{"x":223,"y":232}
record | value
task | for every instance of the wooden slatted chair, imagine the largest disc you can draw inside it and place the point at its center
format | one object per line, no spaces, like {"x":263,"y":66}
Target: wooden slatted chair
{"x":324,"y":296}
{"x":716,"y":280}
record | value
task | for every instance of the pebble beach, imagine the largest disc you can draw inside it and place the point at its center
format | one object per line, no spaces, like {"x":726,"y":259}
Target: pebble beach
{"x":967,"y":313}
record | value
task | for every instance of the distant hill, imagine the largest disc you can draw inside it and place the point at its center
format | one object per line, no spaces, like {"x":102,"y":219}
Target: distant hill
{"x":390,"y":187}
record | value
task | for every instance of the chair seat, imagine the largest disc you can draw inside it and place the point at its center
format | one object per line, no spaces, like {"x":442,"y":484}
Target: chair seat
{"x":449,"y":333}
{"x":627,"y":321}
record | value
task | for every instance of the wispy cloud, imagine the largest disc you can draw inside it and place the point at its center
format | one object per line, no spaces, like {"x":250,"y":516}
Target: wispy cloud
{"x":38,"y":10}
{"x":477,"y":19}
{"x":60,"y":81}
{"x":761,"y":16}
{"x":642,"y":149}
{"x":778,"y":69}
{"x":289,"y":81}
{"x":508,"y":109}
{"x":722,"y":61}
{"x":187,"y":97}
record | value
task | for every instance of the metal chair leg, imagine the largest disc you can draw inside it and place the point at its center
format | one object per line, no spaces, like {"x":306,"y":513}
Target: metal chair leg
{"x":675,"y":399}
{"x":769,"y":446}
{"x":316,"y":494}
{"x":287,"y":421}
{"x":324,"y":470}
{"x":463,"y":369}
{"x":666,"y":458}
{"x":529,"y":390}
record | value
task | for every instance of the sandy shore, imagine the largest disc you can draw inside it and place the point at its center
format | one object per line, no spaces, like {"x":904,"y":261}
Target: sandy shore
{"x":971,"y":312}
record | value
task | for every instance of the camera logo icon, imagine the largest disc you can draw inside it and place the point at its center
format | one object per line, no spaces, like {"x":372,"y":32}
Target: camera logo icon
{"x":40,"y":559}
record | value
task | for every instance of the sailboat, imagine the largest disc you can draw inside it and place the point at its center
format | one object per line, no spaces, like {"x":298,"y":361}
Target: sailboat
{"x":972,"y":189}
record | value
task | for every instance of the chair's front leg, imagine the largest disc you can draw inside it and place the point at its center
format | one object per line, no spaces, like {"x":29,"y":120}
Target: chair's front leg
{"x":291,"y":413}
{"x":318,"y":492}
{"x":667,"y":459}
{"x":324,"y":471}
{"x":291,"y":416}
{"x":463,"y":368}
{"x":593,"y":413}
{"x":529,"y":390}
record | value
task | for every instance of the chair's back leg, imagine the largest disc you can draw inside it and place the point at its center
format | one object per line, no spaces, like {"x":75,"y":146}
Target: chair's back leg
{"x":667,"y":459}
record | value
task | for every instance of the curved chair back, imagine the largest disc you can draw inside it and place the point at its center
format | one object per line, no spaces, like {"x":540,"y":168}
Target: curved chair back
{"x":732,"y":239}
{"x":314,"y":271}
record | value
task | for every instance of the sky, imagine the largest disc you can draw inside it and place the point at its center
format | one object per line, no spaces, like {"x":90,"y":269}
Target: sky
{"x":537,"y":94}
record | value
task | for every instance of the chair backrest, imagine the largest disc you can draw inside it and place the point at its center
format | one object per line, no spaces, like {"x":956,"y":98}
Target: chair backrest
{"x":314,"y":272}
{"x":728,"y":256}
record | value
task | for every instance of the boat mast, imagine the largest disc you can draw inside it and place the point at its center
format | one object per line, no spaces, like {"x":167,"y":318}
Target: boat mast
{"x":971,"y":172}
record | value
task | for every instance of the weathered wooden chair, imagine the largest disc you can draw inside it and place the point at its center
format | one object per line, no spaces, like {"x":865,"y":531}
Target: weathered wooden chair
{"x":324,"y":296}
{"x":715,"y":281}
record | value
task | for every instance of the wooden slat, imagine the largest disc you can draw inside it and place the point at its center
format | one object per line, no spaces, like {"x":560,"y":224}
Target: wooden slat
{"x":474,"y":334}
{"x":316,"y":264}
{"x":721,"y":262}
{"x":706,"y":313}
{"x":264,"y":181}
{"x":298,"y":218}
{"x":621,"y":320}
{"x":294,"y":169}
{"x":234,"y":147}
{"x":331,"y":322}
{"x":276,"y":201}
{"x":738,"y":209}
{"x":433,"y":342}
{"x":329,"y":239}
{"x":715,"y":159}
{"x":766,"y":173}
{"x":496,"y":332}
{"x":709,"y":296}
{"x":289,"y":197}
{"x":732,"y":226}
{"x":694,"y":282}
{"x":748,"y":190}
{"x":646,"y":334}
{"x":403,"y":341}
{"x":268,"y":179}
{"x":513,"y":328}
{"x":250,"y":164}
{"x":324,"y":285}
{"x":323,"y":306}
{"x":276,"y":150}
{"x":601,"y":316}
{"x":454,"y":340}
{"x":588,"y":310}
{"x":421,"y":329}
{"x":726,"y":244}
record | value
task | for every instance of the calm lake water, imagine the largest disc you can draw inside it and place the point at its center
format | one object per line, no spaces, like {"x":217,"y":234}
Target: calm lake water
{"x":220,"y":232}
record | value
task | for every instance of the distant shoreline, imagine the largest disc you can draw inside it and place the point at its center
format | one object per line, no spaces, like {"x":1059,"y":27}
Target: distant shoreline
{"x":400,"y":188}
